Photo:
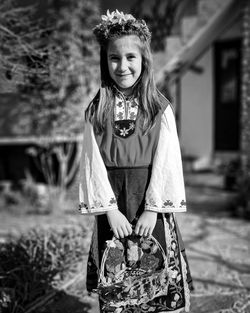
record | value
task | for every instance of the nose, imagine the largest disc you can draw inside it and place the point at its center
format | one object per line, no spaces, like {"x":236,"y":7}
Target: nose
{"x":123,"y":65}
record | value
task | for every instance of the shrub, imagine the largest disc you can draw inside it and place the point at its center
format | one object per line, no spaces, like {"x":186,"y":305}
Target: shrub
{"x":37,"y":263}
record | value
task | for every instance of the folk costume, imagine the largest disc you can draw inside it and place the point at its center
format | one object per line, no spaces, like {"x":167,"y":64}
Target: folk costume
{"x":124,"y":169}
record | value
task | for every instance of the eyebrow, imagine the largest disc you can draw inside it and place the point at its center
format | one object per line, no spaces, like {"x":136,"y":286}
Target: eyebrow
{"x":117,"y":54}
{"x":112,"y":54}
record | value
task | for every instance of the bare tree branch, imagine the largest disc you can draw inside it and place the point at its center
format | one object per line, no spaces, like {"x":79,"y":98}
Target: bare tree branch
{"x":161,"y":18}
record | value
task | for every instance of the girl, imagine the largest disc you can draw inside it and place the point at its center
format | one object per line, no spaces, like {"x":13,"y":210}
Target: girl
{"x":131,"y":170}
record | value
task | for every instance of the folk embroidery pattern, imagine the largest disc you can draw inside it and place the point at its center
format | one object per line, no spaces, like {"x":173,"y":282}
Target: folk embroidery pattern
{"x":125,"y":114}
{"x":124,"y":128}
{"x":166,"y":204}
{"x":97,"y":205}
{"x":134,"y":270}
{"x":125,"y":109}
{"x":175,"y":298}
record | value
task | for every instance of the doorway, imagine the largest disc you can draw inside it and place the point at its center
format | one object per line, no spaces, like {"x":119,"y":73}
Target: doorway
{"x":227,"y":64}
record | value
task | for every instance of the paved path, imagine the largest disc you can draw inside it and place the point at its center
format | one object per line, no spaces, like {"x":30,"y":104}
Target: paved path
{"x":219,"y":254}
{"x":217,"y":244}
{"x":218,"y":248}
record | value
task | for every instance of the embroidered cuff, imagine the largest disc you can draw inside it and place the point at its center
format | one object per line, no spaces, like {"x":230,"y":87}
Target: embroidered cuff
{"x":84,"y":209}
{"x":98,"y":207}
{"x":166,"y":207}
{"x":165,"y":210}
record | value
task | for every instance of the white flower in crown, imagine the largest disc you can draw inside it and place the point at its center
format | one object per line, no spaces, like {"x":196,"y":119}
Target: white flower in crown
{"x":110,"y":244}
{"x":117,"y":17}
{"x":108,"y":17}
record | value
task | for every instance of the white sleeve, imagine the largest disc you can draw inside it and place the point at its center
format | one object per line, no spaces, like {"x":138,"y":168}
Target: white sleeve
{"x":166,"y":191}
{"x":95,"y":192}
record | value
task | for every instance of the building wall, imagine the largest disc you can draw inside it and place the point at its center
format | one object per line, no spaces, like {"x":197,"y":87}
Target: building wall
{"x":196,"y":131}
{"x":197,"y":103}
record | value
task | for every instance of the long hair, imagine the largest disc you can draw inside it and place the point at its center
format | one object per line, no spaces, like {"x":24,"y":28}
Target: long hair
{"x":144,"y":88}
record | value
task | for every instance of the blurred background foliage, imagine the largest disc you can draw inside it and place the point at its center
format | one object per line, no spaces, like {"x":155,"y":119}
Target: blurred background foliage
{"x":161,"y":17}
{"x":50,"y":55}
{"x":48,"y":51}
{"x":53,"y":58}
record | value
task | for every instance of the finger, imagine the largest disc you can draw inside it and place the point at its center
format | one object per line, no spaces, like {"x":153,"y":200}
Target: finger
{"x":125,"y":231}
{"x":150,"y":231}
{"x":120,"y":233}
{"x":137,"y":229}
{"x":141,"y":231}
{"x":129,"y":229}
{"x":116,"y":233}
{"x":146,"y":232}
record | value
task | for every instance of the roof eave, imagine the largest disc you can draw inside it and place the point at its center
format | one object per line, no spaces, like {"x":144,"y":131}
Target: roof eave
{"x":199,"y":43}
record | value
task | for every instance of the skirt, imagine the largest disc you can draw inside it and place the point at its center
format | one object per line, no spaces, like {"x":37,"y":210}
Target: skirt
{"x":129,"y":186}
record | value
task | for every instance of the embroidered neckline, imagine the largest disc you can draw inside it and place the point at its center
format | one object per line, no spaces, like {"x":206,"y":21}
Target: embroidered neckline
{"x":125,"y":109}
{"x":125,"y":113}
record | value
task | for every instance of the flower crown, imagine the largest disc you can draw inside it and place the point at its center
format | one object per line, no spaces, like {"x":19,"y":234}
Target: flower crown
{"x":116,"y":24}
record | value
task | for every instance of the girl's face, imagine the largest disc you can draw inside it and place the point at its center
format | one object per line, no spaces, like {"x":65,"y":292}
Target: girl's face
{"x":124,"y":61}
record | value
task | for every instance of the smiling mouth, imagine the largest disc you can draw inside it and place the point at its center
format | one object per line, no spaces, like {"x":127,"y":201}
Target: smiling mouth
{"x":123,"y":75}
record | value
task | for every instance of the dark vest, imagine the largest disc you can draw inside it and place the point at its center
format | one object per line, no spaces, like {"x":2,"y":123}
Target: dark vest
{"x":135,"y":150}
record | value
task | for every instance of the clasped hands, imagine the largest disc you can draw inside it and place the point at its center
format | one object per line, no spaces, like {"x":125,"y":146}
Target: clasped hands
{"x":122,"y":228}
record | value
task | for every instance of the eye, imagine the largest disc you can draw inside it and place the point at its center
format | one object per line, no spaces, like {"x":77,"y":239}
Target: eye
{"x":114,"y":58}
{"x":131,"y":57}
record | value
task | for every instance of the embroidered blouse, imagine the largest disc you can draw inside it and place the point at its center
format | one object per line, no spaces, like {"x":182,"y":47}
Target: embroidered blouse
{"x":123,"y":144}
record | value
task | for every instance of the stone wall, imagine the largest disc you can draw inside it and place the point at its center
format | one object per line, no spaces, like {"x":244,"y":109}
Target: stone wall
{"x":245,"y":91}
